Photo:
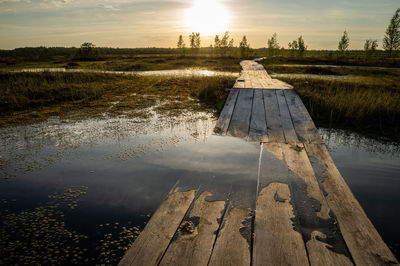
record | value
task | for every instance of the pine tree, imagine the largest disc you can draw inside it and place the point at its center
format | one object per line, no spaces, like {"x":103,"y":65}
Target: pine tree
{"x":273,"y":45}
{"x":244,"y":47}
{"x":370,"y":47}
{"x":301,"y":46}
{"x":217,"y":44}
{"x":195,"y":42}
{"x":181,"y":45}
{"x":391,"y":41}
{"x":344,"y":43}
{"x":293,"y":46}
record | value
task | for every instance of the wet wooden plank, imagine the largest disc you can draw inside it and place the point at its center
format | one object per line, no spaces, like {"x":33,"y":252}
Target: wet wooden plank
{"x":240,"y":122}
{"x":224,"y":119}
{"x":313,"y":216}
{"x":364,"y":242}
{"x":275,"y":240}
{"x":194,"y":247}
{"x":303,"y":124}
{"x":289,"y":165}
{"x":258,"y":124}
{"x":151,"y":244}
{"x":286,"y":120}
{"x":321,"y":252}
{"x":274,"y":127}
{"x":231,"y":248}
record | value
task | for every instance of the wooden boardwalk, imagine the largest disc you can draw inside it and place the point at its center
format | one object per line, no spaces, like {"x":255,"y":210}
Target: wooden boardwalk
{"x":304,"y":212}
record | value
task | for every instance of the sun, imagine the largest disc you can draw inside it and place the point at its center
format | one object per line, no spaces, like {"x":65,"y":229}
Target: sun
{"x":207,"y":17}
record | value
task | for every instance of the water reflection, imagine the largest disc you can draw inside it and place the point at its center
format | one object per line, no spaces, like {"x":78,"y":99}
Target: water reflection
{"x":127,"y":167}
{"x":187,"y":72}
{"x":318,"y":76}
{"x":394,"y":69}
{"x":372,"y":170}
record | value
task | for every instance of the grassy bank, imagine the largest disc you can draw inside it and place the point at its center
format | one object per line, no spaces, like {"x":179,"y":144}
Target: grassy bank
{"x":27,"y":97}
{"x":336,"y":70}
{"x":350,"y":58}
{"x":367,"y":108}
{"x":133,"y":63}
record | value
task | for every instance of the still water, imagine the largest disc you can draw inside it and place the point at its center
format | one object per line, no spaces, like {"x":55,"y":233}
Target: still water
{"x":81,"y":191}
{"x":187,"y":72}
{"x":194,"y":72}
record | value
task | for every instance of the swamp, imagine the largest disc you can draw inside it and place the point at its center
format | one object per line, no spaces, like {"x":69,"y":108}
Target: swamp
{"x":89,"y":149}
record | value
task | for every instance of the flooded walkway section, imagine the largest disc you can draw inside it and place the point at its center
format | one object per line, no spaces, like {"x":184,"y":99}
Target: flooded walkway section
{"x":299,"y":211}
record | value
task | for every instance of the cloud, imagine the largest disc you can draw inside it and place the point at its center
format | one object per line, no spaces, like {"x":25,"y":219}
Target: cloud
{"x":108,"y":7}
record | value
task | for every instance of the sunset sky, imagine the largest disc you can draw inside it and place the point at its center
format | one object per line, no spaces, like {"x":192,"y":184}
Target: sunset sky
{"x":148,"y":23}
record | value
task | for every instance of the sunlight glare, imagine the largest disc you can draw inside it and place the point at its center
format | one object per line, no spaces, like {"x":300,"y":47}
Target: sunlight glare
{"x":207,"y":17}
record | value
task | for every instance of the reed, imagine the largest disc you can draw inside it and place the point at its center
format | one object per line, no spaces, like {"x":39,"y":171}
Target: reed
{"x":364,"y":107}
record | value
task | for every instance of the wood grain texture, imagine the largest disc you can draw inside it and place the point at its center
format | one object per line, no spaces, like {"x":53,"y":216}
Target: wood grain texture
{"x":303,"y":124}
{"x":231,"y":248}
{"x":240,"y":122}
{"x":297,"y":160}
{"x":364,"y":242}
{"x":149,"y":247}
{"x":275,"y":240}
{"x":195,"y":248}
{"x":286,"y":119}
{"x":224,"y":119}
{"x":319,"y":253}
{"x":274,"y":127}
{"x":258,"y":124}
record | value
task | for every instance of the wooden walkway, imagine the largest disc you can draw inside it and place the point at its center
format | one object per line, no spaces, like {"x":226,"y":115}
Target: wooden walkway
{"x":304,"y":212}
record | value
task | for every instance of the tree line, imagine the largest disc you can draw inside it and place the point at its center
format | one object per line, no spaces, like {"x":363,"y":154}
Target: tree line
{"x":224,"y":45}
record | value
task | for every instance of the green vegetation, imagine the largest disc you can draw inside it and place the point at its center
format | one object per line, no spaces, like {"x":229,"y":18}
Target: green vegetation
{"x":87,"y":52}
{"x":391,"y":41}
{"x":344,"y":43}
{"x":128,"y":62}
{"x":181,"y":46}
{"x":244,"y":47}
{"x":28,"y":97}
{"x":195,"y":42}
{"x":273,"y":45}
{"x":370,"y":47}
{"x":368,"y":103}
{"x":42,"y":235}
{"x":358,"y":105}
{"x":223,"y":46}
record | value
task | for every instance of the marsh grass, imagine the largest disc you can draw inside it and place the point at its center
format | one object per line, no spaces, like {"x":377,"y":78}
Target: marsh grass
{"x":367,"y":108}
{"x":337,"y":70}
{"x":137,"y":63}
{"x":31,"y":97}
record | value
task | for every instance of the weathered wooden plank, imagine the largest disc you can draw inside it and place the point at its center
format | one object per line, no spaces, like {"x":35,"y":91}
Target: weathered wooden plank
{"x":274,"y":127}
{"x":240,"y":122}
{"x":319,"y":254}
{"x":275,"y":241}
{"x":312,"y":211}
{"x":258,"y":124}
{"x":151,"y":244}
{"x":248,"y":83}
{"x":286,"y":120}
{"x":256,"y":82}
{"x":239,"y":84}
{"x":364,"y":242}
{"x":231,"y":248}
{"x":193,"y":243}
{"x":303,"y":124}
{"x":226,"y":114}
